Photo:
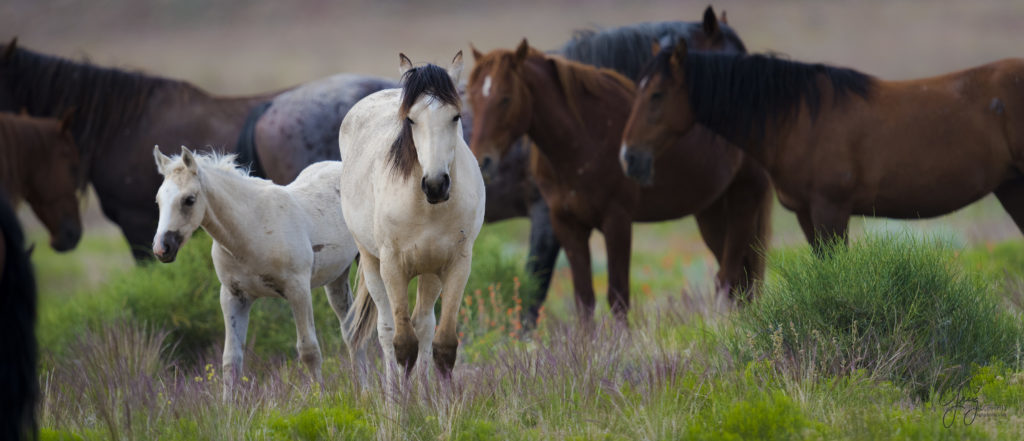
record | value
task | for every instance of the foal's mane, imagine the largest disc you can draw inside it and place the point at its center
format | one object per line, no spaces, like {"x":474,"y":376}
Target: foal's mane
{"x":211,"y":161}
{"x":430,"y":80}
{"x":627,"y":49}
{"x":107,"y":100}
{"x":737,"y":95}
{"x":19,"y":134}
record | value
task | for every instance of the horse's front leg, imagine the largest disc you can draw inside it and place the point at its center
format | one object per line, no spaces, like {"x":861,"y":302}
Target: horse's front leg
{"x":446,"y":339}
{"x":235,"y":305}
{"x":396,"y":281}
{"x":301,"y":301}
{"x":618,"y":233}
{"x":370,"y":267}
{"x":831,"y":221}
{"x":423,"y":320}
{"x":575,"y":239}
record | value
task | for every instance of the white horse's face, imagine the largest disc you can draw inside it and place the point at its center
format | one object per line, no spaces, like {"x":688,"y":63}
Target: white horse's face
{"x":181,"y":201}
{"x":436,"y":128}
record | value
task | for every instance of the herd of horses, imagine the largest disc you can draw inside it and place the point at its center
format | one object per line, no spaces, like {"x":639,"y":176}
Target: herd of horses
{"x":639,"y":123}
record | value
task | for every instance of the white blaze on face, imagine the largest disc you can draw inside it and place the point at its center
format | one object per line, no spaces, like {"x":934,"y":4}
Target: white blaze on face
{"x":622,"y":153}
{"x":487,"y":86}
{"x":435,"y":134}
{"x":165,"y":197}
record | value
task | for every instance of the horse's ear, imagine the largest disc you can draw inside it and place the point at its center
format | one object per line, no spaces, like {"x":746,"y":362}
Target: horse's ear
{"x":161,"y":159}
{"x":522,"y":51}
{"x":655,"y":47}
{"x":188,"y":159}
{"x":724,"y":20}
{"x":11,"y":47}
{"x":477,"y":55}
{"x":710,"y":22}
{"x":404,"y":64}
{"x":678,"y":57}
{"x":455,"y":69}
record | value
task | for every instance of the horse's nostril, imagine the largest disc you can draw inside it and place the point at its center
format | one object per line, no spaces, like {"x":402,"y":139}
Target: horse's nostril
{"x":486,"y":164}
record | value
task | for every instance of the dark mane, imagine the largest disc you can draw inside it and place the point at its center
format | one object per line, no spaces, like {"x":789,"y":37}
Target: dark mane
{"x":736,"y":95}
{"x":433,"y":81}
{"x":106,"y":100}
{"x":627,"y":49}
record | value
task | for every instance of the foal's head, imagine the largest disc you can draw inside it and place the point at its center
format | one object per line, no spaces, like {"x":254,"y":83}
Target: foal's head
{"x":182,"y":202}
{"x":661,"y":111}
{"x":501,"y":103}
{"x":431,"y":125}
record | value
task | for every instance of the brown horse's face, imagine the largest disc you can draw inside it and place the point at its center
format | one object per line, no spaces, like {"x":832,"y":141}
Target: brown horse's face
{"x":501,"y":104}
{"x":52,"y":191}
{"x":661,"y":115}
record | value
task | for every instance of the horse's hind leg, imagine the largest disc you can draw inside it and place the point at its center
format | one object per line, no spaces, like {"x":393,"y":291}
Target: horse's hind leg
{"x":235,"y":306}
{"x":301,"y":300}
{"x":1011,"y":196}
{"x":540,"y":264}
{"x":339,"y":295}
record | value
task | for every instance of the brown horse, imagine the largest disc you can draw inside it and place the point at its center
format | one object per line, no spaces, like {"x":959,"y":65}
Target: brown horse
{"x":39,"y":164}
{"x":838,"y":142}
{"x":575,"y":114}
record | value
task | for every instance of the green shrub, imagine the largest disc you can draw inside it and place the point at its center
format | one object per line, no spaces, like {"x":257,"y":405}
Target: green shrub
{"x":765,"y":416}
{"x":898,"y":306}
{"x":320,"y":423}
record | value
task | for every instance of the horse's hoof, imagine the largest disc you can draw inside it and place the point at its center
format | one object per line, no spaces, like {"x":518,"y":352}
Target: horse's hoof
{"x":444,"y":357}
{"x":406,"y":350}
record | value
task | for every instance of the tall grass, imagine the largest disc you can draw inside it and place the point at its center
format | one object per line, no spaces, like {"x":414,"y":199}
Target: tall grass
{"x":900,"y":307}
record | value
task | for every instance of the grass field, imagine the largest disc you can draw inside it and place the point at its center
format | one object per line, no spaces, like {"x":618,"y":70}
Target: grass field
{"x":914,"y":333}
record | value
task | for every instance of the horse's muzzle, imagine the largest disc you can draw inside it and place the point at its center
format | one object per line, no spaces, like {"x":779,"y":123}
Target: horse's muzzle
{"x":67,"y":238}
{"x":169,"y":246}
{"x":638,"y":165}
{"x":436,"y":188}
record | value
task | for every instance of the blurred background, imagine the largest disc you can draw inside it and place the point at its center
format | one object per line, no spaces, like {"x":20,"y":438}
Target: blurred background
{"x":245,"y":47}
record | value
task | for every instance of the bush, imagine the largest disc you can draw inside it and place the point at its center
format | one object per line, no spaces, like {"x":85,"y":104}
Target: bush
{"x":316,"y":423}
{"x":900,"y":307}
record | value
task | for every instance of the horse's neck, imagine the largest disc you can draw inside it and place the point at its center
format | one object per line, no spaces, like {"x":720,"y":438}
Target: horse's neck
{"x":559,"y":133}
{"x":17,"y":143}
{"x":230,"y":205}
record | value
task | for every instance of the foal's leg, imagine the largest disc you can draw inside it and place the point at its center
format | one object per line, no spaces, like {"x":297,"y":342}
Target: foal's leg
{"x":1011,"y":196}
{"x":446,"y":340}
{"x":235,"y":306}
{"x":301,"y":301}
{"x":575,"y":239}
{"x":618,"y":234}
{"x":423,"y":320}
{"x":540,"y":263}
{"x":339,"y":295}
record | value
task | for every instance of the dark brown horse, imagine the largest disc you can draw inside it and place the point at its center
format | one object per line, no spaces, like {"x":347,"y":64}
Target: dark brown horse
{"x":575,"y":114}
{"x":838,"y":142}
{"x":19,"y":386}
{"x":39,"y":164}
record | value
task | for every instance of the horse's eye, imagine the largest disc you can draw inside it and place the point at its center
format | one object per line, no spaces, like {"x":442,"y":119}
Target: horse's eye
{"x":657,"y":96}
{"x":409,"y":120}
{"x":190,"y":201}
{"x":456,"y":118}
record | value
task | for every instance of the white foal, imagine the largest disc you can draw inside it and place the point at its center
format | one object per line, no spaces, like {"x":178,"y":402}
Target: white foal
{"x":268,"y":241}
{"x":415,"y":206}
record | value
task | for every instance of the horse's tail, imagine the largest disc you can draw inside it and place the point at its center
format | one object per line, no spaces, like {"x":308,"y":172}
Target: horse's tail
{"x":19,"y":389}
{"x":245,"y":147}
{"x":361,"y":318}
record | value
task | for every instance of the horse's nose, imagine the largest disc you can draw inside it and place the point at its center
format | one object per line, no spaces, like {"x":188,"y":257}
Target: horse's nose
{"x":68,"y":236}
{"x":436,"y":187}
{"x":638,"y":165}
{"x":170,"y":244}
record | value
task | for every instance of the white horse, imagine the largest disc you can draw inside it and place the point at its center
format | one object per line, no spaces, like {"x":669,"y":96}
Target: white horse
{"x":414,"y":206}
{"x":268,"y":241}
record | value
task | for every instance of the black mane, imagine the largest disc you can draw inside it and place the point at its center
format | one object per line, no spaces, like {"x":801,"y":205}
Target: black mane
{"x":627,"y":49}
{"x":736,"y":95}
{"x":105,"y":101}
{"x":433,"y":81}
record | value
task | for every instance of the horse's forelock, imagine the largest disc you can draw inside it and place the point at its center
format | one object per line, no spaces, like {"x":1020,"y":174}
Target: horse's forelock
{"x":429,"y":80}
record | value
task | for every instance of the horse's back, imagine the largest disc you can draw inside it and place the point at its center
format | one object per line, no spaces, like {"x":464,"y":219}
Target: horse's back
{"x":369,"y":127}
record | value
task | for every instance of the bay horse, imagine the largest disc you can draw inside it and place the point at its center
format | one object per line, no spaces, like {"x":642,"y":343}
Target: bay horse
{"x":414,"y":202}
{"x":268,"y":241}
{"x":19,"y":385}
{"x":838,"y":142}
{"x":575,"y":114}
{"x":39,"y":164}
{"x":122,"y":113}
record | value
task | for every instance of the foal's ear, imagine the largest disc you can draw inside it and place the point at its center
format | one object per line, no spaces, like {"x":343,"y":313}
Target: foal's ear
{"x":9,"y":51}
{"x":655,"y":47}
{"x":455,"y":68}
{"x":522,"y":51}
{"x":710,"y":22}
{"x":188,"y":159}
{"x":161,"y":159}
{"x":477,"y":55}
{"x":404,"y":64}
